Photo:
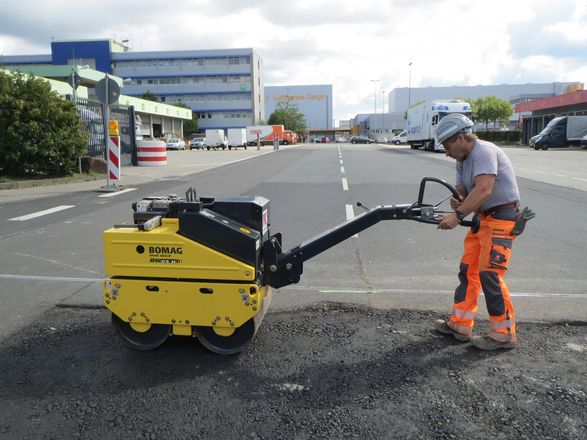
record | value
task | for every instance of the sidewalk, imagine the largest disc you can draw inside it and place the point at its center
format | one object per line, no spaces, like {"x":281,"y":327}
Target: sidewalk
{"x":179,"y":163}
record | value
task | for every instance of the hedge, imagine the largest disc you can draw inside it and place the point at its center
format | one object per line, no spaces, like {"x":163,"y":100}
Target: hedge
{"x":512,"y":137}
{"x":41,"y":134}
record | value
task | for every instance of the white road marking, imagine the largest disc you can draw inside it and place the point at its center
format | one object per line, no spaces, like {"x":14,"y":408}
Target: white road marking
{"x":559,"y":175}
{"x":117,"y":193}
{"x":578,"y":178}
{"x":44,"y":278}
{"x":446,"y":292}
{"x":539,"y":172}
{"x":345,"y":184}
{"x":342,"y":170}
{"x":350,"y":213}
{"x":341,"y":161}
{"x":40,"y":213}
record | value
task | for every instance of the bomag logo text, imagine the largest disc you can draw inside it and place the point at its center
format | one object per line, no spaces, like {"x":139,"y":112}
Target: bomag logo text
{"x":165,"y":250}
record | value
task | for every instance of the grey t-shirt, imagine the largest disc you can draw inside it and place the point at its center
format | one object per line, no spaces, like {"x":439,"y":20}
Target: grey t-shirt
{"x":488,"y":158}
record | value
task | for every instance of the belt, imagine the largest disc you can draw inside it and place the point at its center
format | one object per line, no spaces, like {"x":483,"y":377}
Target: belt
{"x":494,"y":209}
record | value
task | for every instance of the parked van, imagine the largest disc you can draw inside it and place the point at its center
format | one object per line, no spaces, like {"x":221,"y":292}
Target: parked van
{"x":400,"y":138}
{"x":563,"y":131}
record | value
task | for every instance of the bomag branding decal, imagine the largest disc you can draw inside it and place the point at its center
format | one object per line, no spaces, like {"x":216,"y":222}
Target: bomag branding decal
{"x":165,"y":254}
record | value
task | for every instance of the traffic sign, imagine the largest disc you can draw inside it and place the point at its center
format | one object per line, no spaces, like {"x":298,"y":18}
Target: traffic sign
{"x":113,"y":91}
{"x":74,"y":80}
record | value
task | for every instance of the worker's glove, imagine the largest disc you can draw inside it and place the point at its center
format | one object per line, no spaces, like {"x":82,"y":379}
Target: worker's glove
{"x":521,"y":219}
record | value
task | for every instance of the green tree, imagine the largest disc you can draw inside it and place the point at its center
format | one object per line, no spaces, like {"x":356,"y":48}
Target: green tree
{"x":491,"y":108}
{"x":41,"y":134}
{"x":191,"y":126}
{"x":149,"y":96}
{"x":288,"y":114}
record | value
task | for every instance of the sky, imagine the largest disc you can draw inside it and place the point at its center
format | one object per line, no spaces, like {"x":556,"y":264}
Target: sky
{"x":344,"y":43}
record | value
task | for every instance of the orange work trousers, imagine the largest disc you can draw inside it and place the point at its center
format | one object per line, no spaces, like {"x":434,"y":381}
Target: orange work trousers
{"x":483,"y":265}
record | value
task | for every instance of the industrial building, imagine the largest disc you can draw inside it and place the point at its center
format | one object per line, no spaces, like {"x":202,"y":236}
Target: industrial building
{"x":224,"y":87}
{"x":314,"y":101}
{"x":374,"y":125}
{"x":401,"y":98}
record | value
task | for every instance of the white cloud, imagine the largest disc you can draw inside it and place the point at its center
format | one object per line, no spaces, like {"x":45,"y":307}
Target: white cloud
{"x":340,"y":42}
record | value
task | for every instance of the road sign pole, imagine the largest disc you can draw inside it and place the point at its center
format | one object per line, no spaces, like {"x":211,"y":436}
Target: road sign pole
{"x":106,"y":133}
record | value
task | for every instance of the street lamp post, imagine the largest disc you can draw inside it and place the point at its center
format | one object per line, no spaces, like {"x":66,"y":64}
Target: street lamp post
{"x":375,"y":81}
{"x":409,"y":85}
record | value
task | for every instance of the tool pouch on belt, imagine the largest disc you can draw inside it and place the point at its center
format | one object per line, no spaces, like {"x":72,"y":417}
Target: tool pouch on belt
{"x":524,"y":216}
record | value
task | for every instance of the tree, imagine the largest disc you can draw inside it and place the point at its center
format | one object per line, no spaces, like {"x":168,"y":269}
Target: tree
{"x":41,"y":134}
{"x":191,"y":126}
{"x":149,"y":96}
{"x":288,"y":114}
{"x":491,"y":108}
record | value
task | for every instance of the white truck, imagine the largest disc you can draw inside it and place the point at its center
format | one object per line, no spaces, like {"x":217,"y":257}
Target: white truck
{"x":237,"y":137}
{"x":215,"y":139}
{"x":423,"y":119}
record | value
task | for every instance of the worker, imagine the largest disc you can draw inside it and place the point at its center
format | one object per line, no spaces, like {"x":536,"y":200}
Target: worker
{"x":487,"y":186}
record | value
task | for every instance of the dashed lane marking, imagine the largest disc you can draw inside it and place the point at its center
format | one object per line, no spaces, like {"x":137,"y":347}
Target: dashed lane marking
{"x":345,"y":184}
{"x":342,"y":170}
{"x":117,"y":193}
{"x":6,"y":276}
{"x":41,"y":213}
{"x":350,"y":213}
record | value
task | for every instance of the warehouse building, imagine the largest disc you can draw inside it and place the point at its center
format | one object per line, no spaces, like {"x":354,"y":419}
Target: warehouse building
{"x":314,"y":101}
{"x":401,"y":98}
{"x":224,"y":87}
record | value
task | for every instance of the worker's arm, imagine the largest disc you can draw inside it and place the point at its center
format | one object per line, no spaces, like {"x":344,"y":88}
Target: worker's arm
{"x":462,"y":191}
{"x":482,"y":189}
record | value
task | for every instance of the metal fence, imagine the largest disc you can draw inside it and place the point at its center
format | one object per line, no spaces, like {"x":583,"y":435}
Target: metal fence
{"x":92,"y":117}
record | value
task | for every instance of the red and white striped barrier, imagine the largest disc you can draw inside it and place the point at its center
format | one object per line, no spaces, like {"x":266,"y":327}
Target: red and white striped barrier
{"x":151,"y":153}
{"x":113,"y":160}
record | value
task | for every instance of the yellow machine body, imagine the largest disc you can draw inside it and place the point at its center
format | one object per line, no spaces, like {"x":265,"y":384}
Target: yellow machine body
{"x":163,"y":253}
{"x":156,"y":278}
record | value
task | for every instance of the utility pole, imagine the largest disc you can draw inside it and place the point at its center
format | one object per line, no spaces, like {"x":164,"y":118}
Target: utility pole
{"x":409,"y":85}
{"x":375,"y":81}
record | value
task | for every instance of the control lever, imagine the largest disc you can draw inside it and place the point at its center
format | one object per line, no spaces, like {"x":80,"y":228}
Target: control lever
{"x":363,"y":206}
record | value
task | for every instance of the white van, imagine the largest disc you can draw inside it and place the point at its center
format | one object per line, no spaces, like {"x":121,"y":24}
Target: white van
{"x":401,"y":138}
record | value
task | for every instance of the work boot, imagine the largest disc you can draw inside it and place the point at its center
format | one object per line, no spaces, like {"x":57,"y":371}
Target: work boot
{"x":486,"y":343}
{"x":441,"y":326}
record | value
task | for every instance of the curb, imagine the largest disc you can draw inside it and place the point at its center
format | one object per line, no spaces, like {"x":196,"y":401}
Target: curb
{"x":20,"y":184}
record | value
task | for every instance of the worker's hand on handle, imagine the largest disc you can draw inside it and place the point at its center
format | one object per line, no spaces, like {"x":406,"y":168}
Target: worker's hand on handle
{"x":456,"y":204}
{"x":449,"y":221}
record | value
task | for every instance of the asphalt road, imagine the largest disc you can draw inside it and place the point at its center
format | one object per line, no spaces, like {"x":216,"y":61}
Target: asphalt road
{"x":394,"y":264}
{"x":314,"y":370}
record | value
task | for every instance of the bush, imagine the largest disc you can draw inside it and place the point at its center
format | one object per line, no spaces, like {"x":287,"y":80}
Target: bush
{"x":511,"y":137}
{"x":40,"y":133}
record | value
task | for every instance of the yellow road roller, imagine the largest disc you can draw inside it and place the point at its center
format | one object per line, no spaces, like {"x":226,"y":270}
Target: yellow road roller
{"x":205,"y":267}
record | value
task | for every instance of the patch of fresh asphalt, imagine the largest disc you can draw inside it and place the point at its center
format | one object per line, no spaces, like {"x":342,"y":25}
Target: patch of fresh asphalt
{"x":328,"y":371}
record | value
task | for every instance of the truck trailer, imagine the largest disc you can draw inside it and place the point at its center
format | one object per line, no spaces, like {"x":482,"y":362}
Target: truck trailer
{"x":237,"y":137}
{"x":215,"y":139}
{"x":265,"y":134}
{"x":424,"y":117}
